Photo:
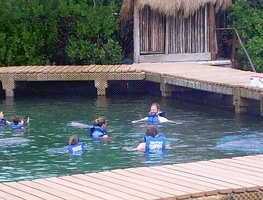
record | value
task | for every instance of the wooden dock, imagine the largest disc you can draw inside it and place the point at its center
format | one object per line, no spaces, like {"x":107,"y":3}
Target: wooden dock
{"x":221,"y":179}
{"x":171,"y":76}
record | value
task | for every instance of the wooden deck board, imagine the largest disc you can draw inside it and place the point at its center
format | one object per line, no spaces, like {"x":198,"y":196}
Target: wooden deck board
{"x":17,"y":192}
{"x":108,"y":189}
{"x":236,"y":173}
{"x":32,"y":191}
{"x":206,"y":188}
{"x":210,"y":185}
{"x":210,"y":179}
{"x":146,"y":182}
{"x":214,"y":173}
{"x":129,"y":188}
{"x":6,"y":196}
{"x":168,"y":182}
{"x":66,"y":189}
{"x":171,"y":182}
{"x":50,"y":190}
{"x":84,"y":189}
{"x":159,"y":191}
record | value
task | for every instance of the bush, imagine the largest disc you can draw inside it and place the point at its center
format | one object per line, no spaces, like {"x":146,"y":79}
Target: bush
{"x":58,"y":32}
{"x":247,"y":19}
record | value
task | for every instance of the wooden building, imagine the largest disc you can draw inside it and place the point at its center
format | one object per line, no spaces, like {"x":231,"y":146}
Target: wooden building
{"x":173,"y":30}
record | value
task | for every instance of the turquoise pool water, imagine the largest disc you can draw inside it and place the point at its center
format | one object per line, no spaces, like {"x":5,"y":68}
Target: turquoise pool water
{"x":200,"y":133}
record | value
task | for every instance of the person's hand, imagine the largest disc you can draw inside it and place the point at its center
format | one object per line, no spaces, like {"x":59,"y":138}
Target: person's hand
{"x":135,"y":121}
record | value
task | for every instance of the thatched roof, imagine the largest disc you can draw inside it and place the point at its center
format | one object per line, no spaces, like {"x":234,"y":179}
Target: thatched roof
{"x":170,"y":7}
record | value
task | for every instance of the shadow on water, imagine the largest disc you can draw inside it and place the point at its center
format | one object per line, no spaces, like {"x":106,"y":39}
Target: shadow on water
{"x":201,"y":133}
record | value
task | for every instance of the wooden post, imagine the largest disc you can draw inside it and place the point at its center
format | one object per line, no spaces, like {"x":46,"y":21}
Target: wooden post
{"x":8,"y":85}
{"x":261,"y":104}
{"x":233,"y":51}
{"x":241,"y":104}
{"x":212,"y":44}
{"x":101,"y":85}
{"x":166,"y":47}
{"x":166,"y":89}
{"x":136,"y":35}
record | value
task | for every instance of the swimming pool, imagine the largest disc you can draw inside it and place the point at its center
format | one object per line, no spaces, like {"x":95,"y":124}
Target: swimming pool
{"x":200,"y":133}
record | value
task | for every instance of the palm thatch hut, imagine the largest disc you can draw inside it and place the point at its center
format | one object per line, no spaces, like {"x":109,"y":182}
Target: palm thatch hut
{"x":173,"y":30}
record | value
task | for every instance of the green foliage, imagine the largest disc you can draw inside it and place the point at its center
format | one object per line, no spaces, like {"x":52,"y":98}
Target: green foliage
{"x":58,"y":32}
{"x":247,"y":18}
{"x":93,"y":42}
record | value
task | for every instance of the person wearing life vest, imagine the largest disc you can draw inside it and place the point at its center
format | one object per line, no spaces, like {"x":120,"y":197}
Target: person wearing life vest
{"x":75,"y":146}
{"x":155,"y":116}
{"x":3,"y":121}
{"x":18,"y":123}
{"x":153,"y":142}
{"x":98,"y":130}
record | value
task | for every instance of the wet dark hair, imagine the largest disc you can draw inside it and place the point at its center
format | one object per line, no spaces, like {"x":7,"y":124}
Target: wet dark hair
{"x":74,"y":139}
{"x":152,"y":131}
{"x":17,"y":119}
{"x":99,"y":121}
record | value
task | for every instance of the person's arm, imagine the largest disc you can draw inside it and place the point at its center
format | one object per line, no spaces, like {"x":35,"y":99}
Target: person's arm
{"x":140,"y":147}
{"x":105,"y":136}
{"x":140,"y":120}
{"x":162,"y":119}
{"x":8,"y":122}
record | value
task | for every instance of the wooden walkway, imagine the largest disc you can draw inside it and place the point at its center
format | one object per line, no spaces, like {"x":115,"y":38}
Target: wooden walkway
{"x":204,"y":180}
{"x":171,"y":76}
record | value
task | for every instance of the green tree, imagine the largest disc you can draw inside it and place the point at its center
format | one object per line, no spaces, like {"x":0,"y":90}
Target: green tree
{"x":247,"y":18}
{"x":58,"y":32}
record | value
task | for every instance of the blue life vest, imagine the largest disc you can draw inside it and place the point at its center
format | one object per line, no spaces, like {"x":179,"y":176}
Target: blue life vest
{"x":155,"y":143}
{"x":76,"y":149}
{"x":96,"y":131}
{"x":153,"y":119}
{"x":17,"y":126}
{"x":3,"y":122}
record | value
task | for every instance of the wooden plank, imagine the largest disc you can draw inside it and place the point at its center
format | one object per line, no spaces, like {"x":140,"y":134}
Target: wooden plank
{"x":51,"y":69}
{"x":7,"y":196}
{"x":22,"y":69}
{"x":66,"y":188}
{"x":212,"y":180}
{"x":236,"y":173}
{"x":71,"y":182}
{"x":114,"y":68}
{"x":161,"y":191}
{"x":88,"y":68}
{"x":216,"y":174}
{"x":32,"y":191}
{"x":196,"y":179}
{"x":229,"y":163}
{"x":142,"y":192}
{"x":96,"y":69}
{"x":30,"y":69}
{"x":147,"y":181}
{"x":208,"y":191}
{"x":108,"y":68}
{"x":167,"y":182}
{"x":51,"y":190}
{"x":244,"y":161}
{"x":38,"y":69}
{"x":129,"y":193}
{"x":17,"y":192}
{"x":120,"y":68}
